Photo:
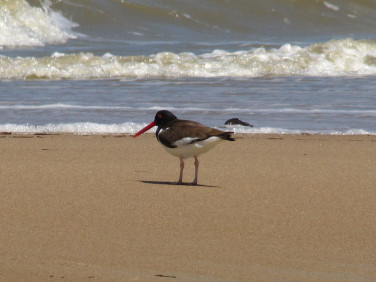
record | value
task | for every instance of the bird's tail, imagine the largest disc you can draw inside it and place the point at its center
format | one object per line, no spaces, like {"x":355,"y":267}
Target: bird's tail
{"x":227,"y":136}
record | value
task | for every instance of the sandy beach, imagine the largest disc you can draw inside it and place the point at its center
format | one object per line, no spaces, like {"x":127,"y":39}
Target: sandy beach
{"x":267,"y":208}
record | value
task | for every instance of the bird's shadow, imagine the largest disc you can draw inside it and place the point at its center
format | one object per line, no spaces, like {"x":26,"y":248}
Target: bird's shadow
{"x":177,"y":184}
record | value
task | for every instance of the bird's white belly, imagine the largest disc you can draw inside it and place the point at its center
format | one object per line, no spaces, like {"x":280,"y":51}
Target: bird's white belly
{"x":190,"y":150}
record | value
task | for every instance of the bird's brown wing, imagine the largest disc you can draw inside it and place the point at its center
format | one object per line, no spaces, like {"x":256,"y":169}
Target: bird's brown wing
{"x":191,"y":131}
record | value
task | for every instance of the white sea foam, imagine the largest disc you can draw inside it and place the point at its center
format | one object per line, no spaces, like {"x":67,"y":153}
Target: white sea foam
{"x":274,"y":130}
{"x":24,"y":25}
{"x":132,"y":128}
{"x":75,"y":128}
{"x":61,"y":106}
{"x":345,"y":57}
{"x":331,"y":6}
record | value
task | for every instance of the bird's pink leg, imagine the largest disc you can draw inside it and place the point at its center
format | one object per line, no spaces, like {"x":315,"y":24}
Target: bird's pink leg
{"x":196,"y":171}
{"x":181,"y":170}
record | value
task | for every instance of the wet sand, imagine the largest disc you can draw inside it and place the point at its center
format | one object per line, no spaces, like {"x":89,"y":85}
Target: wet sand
{"x":267,"y":208}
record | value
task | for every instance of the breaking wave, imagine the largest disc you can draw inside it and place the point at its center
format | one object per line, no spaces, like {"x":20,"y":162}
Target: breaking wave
{"x":347,"y":57}
{"x":22,"y":25}
{"x":132,"y":128}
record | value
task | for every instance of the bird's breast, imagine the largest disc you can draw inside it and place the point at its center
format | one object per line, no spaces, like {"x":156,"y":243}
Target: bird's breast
{"x":189,"y":148}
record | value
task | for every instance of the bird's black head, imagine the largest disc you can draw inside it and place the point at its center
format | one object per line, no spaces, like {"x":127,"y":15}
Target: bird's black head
{"x":160,"y":120}
{"x":163,"y":117}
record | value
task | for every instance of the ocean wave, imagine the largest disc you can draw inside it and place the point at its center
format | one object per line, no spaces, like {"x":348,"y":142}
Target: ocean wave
{"x":58,"y":106}
{"x":40,"y":22}
{"x":132,"y":128}
{"x":219,"y":20}
{"x":24,"y":25}
{"x":346,"y":57}
{"x":75,"y":128}
{"x":212,"y":111}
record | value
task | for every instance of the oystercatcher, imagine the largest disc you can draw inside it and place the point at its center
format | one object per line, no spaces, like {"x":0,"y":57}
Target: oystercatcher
{"x":184,"y":138}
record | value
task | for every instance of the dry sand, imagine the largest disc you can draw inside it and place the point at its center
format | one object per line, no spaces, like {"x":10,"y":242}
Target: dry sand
{"x":268,"y":208}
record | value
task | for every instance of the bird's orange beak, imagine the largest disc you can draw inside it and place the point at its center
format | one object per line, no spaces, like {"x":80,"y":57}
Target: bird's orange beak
{"x":146,"y":128}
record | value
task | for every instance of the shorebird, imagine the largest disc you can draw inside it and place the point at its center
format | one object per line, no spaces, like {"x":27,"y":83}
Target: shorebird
{"x":184,"y":138}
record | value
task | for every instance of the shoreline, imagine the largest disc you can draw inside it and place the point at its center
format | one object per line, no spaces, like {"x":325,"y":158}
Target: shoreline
{"x":267,"y":207}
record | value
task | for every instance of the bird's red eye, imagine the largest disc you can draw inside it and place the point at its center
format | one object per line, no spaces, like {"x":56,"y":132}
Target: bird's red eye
{"x":159,"y":115}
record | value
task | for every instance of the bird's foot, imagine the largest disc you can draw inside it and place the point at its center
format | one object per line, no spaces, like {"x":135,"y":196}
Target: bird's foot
{"x":188,"y":183}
